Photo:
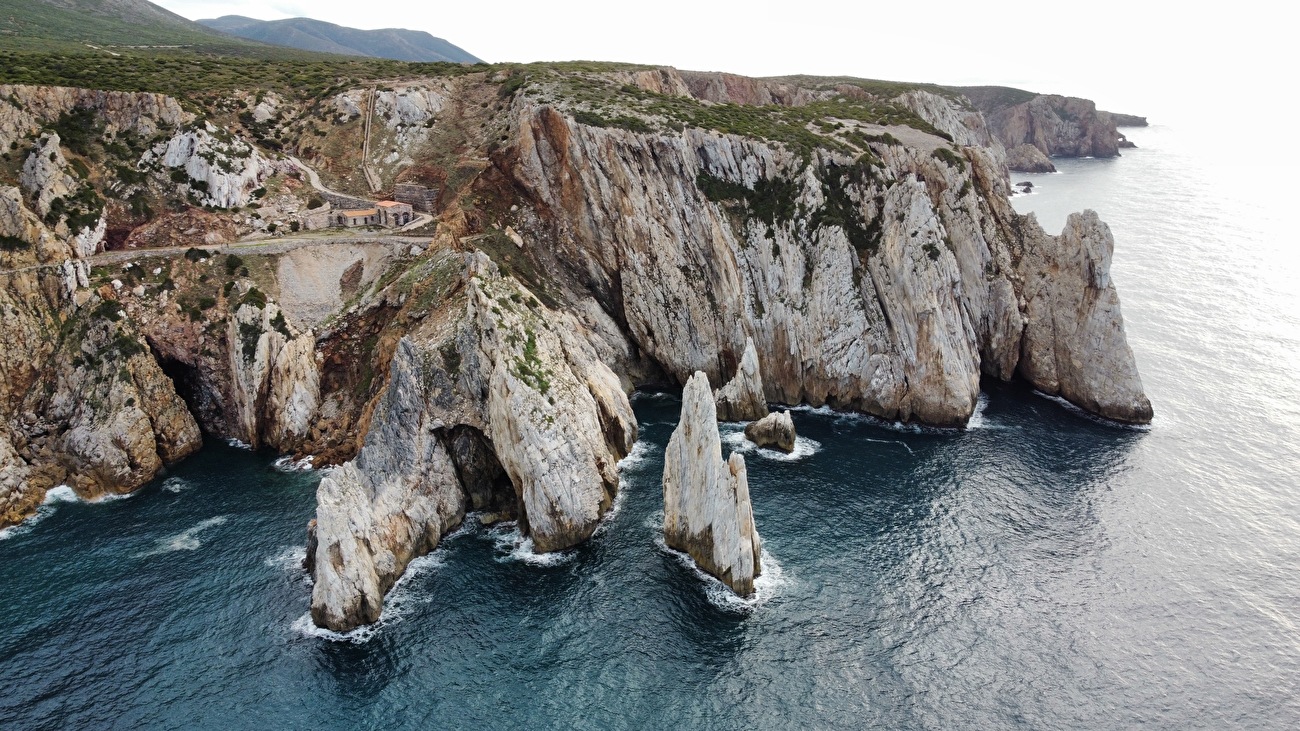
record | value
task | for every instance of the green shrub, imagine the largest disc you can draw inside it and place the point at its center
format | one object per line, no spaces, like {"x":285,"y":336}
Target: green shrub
{"x":233,"y":263}
{"x":12,"y":243}
{"x":108,"y":310}
{"x":254,"y":298}
{"x":950,"y":158}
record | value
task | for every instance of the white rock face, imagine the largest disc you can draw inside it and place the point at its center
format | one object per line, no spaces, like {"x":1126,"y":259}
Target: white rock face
{"x":742,"y":398}
{"x":707,"y":513}
{"x":1070,"y":299}
{"x":230,"y":168}
{"x":966,"y":126}
{"x":36,"y":106}
{"x":276,"y":381}
{"x":548,"y":413}
{"x":776,"y":430}
{"x":44,"y":176}
{"x":394,"y":502}
{"x":408,"y":106}
{"x":557,"y":415}
{"x":896,"y":313}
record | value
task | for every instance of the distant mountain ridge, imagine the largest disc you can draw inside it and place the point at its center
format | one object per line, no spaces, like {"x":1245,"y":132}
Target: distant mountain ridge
{"x":316,"y":35}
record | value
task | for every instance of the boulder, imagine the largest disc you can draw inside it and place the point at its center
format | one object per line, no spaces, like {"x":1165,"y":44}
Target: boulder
{"x":776,"y":430}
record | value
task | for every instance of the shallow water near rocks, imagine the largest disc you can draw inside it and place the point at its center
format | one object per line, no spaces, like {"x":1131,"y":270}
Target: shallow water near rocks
{"x":1038,"y":570}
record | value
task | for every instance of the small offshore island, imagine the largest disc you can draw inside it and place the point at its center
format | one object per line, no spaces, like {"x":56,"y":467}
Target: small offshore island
{"x":172,"y":266}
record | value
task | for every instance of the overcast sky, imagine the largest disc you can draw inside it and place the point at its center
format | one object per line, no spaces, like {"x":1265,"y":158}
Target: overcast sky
{"x":1156,"y":59}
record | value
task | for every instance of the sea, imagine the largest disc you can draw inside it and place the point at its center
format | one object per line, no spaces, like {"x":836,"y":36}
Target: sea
{"x":1040,"y":569}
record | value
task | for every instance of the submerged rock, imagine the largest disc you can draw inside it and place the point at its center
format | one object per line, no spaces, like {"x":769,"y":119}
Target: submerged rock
{"x":776,"y":430}
{"x":707,"y":513}
{"x":742,"y":398}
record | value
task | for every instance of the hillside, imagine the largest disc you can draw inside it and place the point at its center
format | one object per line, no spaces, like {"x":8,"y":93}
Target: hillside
{"x":112,"y":28}
{"x":314,"y":35}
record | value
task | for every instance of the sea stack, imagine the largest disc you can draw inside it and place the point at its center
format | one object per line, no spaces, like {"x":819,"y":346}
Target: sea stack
{"x":707,"y":513}
{"x":742,"y":399}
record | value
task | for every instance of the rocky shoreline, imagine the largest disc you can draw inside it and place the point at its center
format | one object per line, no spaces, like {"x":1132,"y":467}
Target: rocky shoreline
{"x":871,"y":262}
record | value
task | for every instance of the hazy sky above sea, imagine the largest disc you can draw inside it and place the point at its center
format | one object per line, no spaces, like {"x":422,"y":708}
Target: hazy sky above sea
{"x":1152,"y":58}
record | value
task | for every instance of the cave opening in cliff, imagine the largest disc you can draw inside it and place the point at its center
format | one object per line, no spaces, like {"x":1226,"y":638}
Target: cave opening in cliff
{"x":190,"y":386}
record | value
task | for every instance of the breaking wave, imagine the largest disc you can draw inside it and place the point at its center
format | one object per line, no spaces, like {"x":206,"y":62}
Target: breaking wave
{"x":186,"y":540}
{"x":735,"y":439}
{"x":510,"y":545}
{"x":398,"y":603}
{"x":768,"y":585}
{"x":288,"y":464}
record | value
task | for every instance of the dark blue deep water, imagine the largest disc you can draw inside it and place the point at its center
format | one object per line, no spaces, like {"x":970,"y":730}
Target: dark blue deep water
{"x":1039,"y":570}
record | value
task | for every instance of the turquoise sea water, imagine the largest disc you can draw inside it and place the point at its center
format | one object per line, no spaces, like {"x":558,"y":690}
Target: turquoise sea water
{"x":1038,"y":570}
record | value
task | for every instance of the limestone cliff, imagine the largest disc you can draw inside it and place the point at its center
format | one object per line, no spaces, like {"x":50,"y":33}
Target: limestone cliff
{"x":598,"y":231}
{"x":742,"y":398}
{"x":1055,"y":125}
{"x":496,"y":385}
{"x":1071,"y":299}
{"x":707,"y":513}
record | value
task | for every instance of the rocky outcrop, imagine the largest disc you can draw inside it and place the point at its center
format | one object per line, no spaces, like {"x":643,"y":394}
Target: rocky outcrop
{"x":887,"y":314}
{"x":497,"y":391}
{"x":24,"y":110}
{"x":1029,"y":159}
{"x":1128,"y":120}
{"x":16,"y":501}
{"x":394,"y":502}
{"x":776,"y":430}
{"x":274,"y":375}
{"x":1074,"y":344}
{"x":742,"y":398}
{"x":44,"y":176}
{"x":221,"y":170}
{"x":74,"y":211}
{"x":1057,"y":126}
{"x":707,"y":513}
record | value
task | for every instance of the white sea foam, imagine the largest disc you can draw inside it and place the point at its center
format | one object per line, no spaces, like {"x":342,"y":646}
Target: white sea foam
{"x":398,"y":603}
{"x":734,"y":438}
{"x":238,"y":444}
{"x":899,"y":442}
{"x":288,"y":464}
{"x":651,"y":396}
{"x":61,"y":494}
{"x":852,"y":417}
{"x":176,"y":485}
{"x":640,"y":451}
{"x":186,"y":540}
{"x":767,"y":585}
{"x":53,"y":497}
{"x":1091,"y":416}
{"x":289,"y":558}
{"x":510,"y":545}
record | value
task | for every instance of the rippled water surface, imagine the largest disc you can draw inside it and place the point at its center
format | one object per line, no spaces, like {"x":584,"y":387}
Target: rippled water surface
{"x":1039,"y":570}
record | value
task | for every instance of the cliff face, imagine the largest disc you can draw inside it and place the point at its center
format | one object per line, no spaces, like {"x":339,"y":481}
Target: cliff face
{"x":1054,"y":125}
{"x":598,"y":232}
{"x":497,"y":384}
{"x":1070,"y":299}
